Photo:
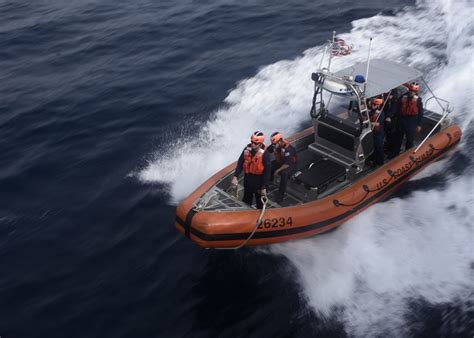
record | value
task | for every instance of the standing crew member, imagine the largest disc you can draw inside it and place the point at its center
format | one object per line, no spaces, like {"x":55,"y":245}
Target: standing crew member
{"x":390,"y":123}
{"x":255,"y":162}
{"x":377,"y":118}
{"x":285,"y":162}
{"x":410,"y":116}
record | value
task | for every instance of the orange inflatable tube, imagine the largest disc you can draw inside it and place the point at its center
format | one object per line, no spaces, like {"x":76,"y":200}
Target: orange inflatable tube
{"x":227,"y":229}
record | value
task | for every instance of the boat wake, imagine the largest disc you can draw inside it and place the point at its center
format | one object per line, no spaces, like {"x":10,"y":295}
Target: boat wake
{"x":405,"y":250}
{"x":394,"y":254}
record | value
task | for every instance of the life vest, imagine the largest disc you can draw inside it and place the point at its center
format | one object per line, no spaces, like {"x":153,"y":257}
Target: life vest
{"x":253,"y":164}
{"x":409,"y":106}
{"x":374,"y":117}
{"x":280,"y":154}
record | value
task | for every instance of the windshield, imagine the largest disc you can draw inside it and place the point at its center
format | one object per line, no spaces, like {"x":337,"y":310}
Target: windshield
{"x":346,"y":108}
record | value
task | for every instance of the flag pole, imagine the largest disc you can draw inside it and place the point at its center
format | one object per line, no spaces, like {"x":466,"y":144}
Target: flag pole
{"x":332,"y":47}
{"x":324,"y":54}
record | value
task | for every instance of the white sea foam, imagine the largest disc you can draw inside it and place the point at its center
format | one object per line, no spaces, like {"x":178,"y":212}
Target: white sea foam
{"x":411,"y":248}
{"x":416,"y":247}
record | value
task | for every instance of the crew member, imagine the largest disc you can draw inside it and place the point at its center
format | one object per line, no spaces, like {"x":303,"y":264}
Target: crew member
{"x":390,"y":123}
{"x":377,"y":118}
{"x":410,"y":117}
{"x":256,"y":164}
{"x":285,"y":163}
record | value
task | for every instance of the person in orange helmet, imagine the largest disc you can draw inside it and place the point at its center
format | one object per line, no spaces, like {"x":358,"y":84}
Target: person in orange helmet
{"x":410,"y":117}
{"x":255,"y":162}
{"x":285,"y":163}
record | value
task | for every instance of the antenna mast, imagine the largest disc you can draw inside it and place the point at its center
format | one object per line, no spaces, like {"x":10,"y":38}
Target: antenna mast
{"x":367,"y":71}
{"x":331,"y":47}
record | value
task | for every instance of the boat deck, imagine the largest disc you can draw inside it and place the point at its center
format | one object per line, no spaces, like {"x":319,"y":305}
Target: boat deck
{"x":316,"y":177}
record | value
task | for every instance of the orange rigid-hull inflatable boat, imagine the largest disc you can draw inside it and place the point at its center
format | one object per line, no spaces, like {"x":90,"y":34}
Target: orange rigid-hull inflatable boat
{"x":335,"y":180}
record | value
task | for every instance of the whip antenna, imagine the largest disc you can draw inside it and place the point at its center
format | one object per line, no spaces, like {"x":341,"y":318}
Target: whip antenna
{"x":332,"y":48}
{"x":367,"y":70}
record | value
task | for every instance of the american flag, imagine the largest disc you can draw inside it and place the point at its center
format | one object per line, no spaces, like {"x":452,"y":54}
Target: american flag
{"x":340,"y":48}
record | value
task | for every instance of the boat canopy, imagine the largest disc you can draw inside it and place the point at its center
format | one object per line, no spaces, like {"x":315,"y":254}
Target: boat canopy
{"x":383,"y":75}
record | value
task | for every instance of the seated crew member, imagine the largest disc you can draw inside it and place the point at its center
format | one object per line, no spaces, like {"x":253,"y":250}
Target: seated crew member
{"x":255,"y":162}
{"x":410,"y":116}
{"x":377,"y":118}
{"x":285,"y":163}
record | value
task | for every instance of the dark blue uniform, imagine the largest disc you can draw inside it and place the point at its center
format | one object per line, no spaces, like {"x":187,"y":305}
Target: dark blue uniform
{"x":407,"y":123}
{"x":254,"y":183}
{"x":390,"y":128}
{"x":283,"y":155}
{"x":379,"y":136}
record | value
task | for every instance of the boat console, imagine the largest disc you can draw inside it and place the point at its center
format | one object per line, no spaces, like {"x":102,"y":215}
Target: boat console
{"x":342,"y":128}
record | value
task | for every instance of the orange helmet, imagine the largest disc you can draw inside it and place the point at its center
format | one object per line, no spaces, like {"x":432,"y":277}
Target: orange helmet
{"x":414,"y":87}
{"x":377,"y":101}
{"x":257,"y":137}
{"x":276,"y":136}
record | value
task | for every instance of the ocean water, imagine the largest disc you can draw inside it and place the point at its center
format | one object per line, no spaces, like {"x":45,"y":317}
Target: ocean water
{"x":112,"y":112}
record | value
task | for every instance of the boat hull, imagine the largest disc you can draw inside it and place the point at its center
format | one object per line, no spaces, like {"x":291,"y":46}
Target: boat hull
{"x":227,"y":229}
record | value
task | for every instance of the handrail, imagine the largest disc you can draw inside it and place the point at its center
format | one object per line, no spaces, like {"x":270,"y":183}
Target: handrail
{"x":436,"y":98}
{"x":432,"y":130}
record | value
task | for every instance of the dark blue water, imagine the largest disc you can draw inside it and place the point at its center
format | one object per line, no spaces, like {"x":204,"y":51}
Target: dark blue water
{"x":88,"y":91}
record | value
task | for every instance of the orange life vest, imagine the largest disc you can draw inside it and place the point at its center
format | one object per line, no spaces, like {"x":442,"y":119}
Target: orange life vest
{"x":375,"y":118}
{"x":253,"y":164}
{"x":280,"y":154}
{"x":409,"y":106}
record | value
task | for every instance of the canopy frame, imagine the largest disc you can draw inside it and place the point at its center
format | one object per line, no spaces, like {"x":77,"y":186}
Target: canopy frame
{"x":383,"y":75}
